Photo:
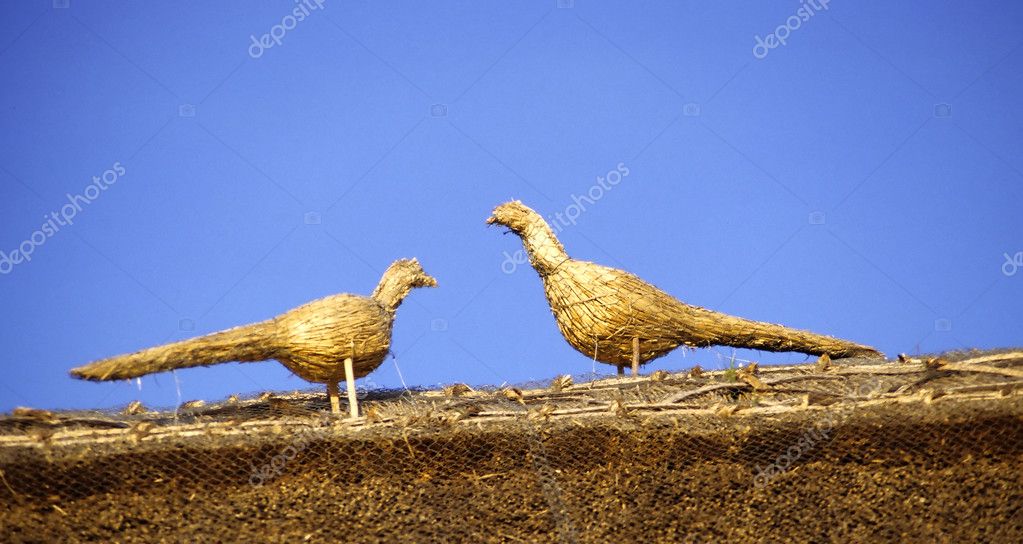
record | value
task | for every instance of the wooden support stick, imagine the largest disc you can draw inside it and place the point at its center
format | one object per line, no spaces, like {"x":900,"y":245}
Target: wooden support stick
{"x":333,"y":393}
{"x":635,"y":356}
{"x":353,"y":401}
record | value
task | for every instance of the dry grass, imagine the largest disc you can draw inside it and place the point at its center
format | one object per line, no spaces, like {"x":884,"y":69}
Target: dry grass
{"x":923,"y":449}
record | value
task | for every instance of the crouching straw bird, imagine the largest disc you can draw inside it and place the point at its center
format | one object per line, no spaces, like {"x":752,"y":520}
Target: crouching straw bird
{"x":339,"y":336}
{"x":617,"y":318}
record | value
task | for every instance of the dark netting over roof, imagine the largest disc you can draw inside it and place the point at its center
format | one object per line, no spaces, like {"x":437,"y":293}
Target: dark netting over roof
{"x":921,"y":448}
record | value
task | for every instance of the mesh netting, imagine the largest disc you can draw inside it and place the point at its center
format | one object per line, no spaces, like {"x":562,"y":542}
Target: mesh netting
{"x":925,"y":448}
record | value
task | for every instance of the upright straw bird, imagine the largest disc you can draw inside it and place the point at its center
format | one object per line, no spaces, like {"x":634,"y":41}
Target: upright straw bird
{"x":615,"y":317}
{"x":337,"y":337}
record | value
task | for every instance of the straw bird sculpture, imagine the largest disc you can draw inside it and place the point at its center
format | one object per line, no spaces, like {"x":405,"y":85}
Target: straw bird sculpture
{"x":336,"y":337}
{"x":614,"y":317}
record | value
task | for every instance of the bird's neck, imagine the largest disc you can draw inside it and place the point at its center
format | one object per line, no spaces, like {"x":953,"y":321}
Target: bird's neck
{"x":544,"y":249}
{"x":394,"y":286}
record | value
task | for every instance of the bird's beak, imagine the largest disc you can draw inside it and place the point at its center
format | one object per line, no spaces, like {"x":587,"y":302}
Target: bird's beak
{"x":491,"y":220}
{"x":431,"y":281}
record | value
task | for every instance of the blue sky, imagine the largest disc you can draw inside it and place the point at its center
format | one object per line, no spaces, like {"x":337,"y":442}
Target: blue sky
{"x":861,"y":179}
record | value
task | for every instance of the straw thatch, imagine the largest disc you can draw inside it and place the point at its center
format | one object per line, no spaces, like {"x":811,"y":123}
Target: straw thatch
{"x":312,"y":340}
{"x":919,"y":449}
{"x":614,"y":317}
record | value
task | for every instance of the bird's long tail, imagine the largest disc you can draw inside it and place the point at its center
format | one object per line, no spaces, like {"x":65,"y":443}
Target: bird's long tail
{"x":248,"y":343}
{"x":723,"y":329}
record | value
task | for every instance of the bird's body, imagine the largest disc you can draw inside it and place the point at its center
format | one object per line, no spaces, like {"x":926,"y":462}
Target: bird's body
{"x":617,"y":318}
{"x":312,"y":340}
{"x":312,"y":345}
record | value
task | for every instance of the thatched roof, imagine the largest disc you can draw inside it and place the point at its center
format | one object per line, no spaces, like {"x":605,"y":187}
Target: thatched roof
{"x":932,"y":442}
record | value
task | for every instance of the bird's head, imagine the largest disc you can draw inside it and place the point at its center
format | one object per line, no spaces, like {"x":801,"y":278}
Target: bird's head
{"x":413,"y":272}
{"x":515,"y":215}
{"x":399,"y":280}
